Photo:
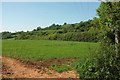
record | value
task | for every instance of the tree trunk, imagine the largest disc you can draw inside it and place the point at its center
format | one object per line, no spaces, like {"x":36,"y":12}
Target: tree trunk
{"x":117,"y":43}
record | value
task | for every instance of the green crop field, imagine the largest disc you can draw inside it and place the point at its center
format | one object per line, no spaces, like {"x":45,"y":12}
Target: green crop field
{"x":45,"y":49}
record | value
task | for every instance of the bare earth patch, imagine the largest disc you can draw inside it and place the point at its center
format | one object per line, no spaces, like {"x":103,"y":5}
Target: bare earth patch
{"x":48,"y":63}
{"x":13,"y":68}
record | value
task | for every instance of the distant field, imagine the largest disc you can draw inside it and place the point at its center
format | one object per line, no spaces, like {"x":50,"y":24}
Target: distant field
{"x":45,"y":49}
{"x":0,"y":47}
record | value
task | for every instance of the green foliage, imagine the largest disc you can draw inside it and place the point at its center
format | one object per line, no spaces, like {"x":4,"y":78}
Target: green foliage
{"x":38,"y":28}
{"x":108,"y":62}
{"x":109,"y":13}
{"x":61,"y":67}
{"x":7,"y":35}
{"x":53,"y":27}
{"x":105,"y":65}
{"x":66,"y":32}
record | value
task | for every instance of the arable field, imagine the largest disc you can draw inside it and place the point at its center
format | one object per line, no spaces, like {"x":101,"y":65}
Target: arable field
{"x":0,"y":46}
{"x":59,"y":56}
{"x":35,"y":50}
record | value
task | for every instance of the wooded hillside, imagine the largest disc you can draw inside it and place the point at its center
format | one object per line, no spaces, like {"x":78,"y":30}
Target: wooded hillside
{"x":84,"y":31}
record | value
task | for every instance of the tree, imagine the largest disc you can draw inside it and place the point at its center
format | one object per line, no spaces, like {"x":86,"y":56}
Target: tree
{"x":65,"y":23}
{"x":106,"y":64}
{"x":39,"y":28}
{"x":6,"y":35}
{"x":108,"y":61}
{"x":109,"y":14}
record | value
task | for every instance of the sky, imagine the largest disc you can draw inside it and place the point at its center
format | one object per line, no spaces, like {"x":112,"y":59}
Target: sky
{"x":26,"y":16}
{"x":51,"y":0}
{"x":0,"y":29}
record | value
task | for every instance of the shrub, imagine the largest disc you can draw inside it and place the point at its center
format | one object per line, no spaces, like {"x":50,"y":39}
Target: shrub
{"x":103,"y":66}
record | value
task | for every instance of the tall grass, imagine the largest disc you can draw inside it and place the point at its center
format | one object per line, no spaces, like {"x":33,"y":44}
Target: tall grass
{"x":45,"y":49}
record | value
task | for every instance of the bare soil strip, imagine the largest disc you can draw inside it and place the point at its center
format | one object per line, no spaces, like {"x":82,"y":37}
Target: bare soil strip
{"x":48,"y":63}
{"x":13,"y":68}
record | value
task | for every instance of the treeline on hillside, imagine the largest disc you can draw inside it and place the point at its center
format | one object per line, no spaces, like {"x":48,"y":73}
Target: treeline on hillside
{"x":84,"y":31}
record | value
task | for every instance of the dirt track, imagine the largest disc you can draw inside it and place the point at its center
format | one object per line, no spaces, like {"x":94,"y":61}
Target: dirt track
{"x":13,"y":68}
